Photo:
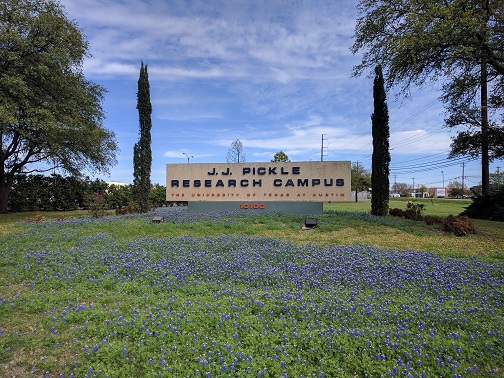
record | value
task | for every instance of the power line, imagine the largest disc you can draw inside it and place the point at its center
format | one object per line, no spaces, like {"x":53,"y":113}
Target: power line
{"x":423,"y":157}
{"x":420,"y":168}
{"x":411,"y":139}
{"x":433,"y":163}
{"x":414,"y":115}
{"x":416,"y":138}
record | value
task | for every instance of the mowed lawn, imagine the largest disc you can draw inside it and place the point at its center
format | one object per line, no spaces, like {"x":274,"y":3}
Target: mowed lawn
{"x":226,"y":294}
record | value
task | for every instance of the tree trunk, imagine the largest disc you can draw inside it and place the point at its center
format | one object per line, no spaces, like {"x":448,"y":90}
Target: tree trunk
{"x":485,"y":161}
{"x":5,"y":188}
{"x":485,"y":168}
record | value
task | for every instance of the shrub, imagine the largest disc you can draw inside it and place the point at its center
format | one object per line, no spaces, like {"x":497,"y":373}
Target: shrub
{"x":395,"y":212}
{"x":432,"y":219}
{"x":412,"y":214}
{"x":96,"y":203}
{"x":487,"y":206}
{"x":134,"y":207}
{"x":460,"y":225}
{"x":123,"y":210}
{"x":418,"y":208}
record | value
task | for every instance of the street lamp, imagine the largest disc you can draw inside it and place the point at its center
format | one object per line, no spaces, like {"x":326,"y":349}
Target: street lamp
{"x":188,"y":157}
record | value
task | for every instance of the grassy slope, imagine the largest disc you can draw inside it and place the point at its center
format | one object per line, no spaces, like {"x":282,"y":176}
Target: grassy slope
{"x":333,"y":228}
{"x":439,"y":207}
{"x":24,"y":353}
{"x":489,"y":238}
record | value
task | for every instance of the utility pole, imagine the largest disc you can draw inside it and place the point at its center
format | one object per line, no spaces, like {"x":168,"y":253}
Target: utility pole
{"x":356,"y":180}
{"x":413,"y":185}
{"x":322,"y":148}
{"x":442,"y":172}
{"x":463,"y":167}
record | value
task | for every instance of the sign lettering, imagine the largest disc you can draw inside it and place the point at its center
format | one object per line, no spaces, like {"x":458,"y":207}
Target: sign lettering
{"x":284,"y":181}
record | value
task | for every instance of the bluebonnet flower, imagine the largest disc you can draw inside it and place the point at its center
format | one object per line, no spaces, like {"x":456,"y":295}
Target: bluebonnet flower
{"x":392,"y":306}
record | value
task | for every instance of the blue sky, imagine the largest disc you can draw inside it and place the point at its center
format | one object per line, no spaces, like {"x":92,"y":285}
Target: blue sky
{"x":275,"y":74}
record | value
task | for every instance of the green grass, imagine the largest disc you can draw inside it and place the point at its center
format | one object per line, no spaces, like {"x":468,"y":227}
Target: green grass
{"x":7,"y":220}
{"x":440,"y":207}
{"x":342,"y":227}
{"x":230,"y":294}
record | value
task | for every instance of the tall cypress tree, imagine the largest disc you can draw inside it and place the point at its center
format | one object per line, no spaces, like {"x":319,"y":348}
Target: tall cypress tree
{"x":142,"y":154}
{"x":381,"y":153}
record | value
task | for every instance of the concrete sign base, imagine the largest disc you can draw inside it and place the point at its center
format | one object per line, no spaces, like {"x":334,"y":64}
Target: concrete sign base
{"x":305,"y":208}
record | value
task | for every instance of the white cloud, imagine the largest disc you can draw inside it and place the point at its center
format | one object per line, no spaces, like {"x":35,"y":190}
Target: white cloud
{"x":224,"y":33}
{"x":274,"y":74}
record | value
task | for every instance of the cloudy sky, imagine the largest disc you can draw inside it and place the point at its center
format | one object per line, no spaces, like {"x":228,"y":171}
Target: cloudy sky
{"x":275,"y":74}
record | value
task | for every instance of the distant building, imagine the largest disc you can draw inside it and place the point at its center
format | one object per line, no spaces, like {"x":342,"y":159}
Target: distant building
{"x":419,"y":195}
{"x":361,"y":196}
{"x":438,"y":192}
{"x":117,"y":183}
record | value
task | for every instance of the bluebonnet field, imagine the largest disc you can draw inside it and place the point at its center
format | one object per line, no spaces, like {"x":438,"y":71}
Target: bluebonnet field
{"x":78,"y":302}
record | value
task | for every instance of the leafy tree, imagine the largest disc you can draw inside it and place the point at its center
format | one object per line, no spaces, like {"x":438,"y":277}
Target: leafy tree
{"x":118,"y":196}
{"x":459,"y":41}
{"x":142,"y":154}
{"x":280,"y":156}
{"x":235,"y":153}
{"x":497,"y":181}
{"x":157,"y":195}
{"x":361,"y":178}
{"x":96,"y":186}
{"x":381,"y":154}
{"x":456,"y":190}
{"x":402,"y":188}
{"x":422,"y":189}
{"x":49,"y":112}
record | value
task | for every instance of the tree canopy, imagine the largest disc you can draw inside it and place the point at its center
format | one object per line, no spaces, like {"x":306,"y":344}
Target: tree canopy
{"x":456,"y":41}
{"x":49,"y":112}
{"x":361,"y":178}
{"x":417,"y":41}
{"x":235,"y":153}
{"x":280,"y":156}
{"x":401,"y":188}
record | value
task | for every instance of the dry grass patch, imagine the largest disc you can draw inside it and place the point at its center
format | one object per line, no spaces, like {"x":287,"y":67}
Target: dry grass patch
{"x":390,"y":238}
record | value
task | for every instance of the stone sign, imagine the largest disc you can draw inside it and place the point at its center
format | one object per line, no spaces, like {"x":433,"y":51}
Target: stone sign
{"x":257,"y":183}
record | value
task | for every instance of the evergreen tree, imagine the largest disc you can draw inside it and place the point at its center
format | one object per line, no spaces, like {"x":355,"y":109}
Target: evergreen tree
{"x":142,"y":154}
{"x":280,"y":156}
{"x":381,"y":154}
